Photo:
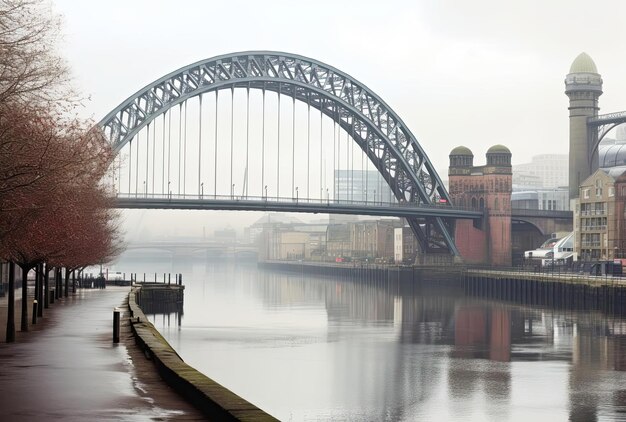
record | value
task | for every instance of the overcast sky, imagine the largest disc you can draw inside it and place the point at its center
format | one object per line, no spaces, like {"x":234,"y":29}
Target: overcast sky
{"x":473,"y":73}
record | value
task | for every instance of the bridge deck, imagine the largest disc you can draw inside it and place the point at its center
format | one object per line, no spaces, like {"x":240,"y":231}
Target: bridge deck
{"x":295,"y":205}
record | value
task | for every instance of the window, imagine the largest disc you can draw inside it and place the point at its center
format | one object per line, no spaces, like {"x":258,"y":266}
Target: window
{"x":586,"y":193}
{"x":611,"y":191}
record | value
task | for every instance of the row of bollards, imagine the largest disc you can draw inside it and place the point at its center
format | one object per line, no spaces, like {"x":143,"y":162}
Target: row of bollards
{"x":36,"y":307}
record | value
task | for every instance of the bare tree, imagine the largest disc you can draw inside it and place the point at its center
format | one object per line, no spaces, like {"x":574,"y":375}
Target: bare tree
{"x":54,"y":207}
{"x":30,"y":69}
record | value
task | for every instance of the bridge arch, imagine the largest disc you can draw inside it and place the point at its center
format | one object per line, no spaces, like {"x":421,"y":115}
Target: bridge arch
{"x":371,"y":123}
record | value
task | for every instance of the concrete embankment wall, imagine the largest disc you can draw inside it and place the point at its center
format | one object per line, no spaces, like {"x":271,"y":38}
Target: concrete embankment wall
{"x":214,"y":400}
{"x":565,"y":291}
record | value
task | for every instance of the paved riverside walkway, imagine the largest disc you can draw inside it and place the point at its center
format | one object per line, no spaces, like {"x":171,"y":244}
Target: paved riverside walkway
{"x":67,"y":368}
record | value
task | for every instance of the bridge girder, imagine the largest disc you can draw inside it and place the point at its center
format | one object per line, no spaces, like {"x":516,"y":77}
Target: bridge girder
{"x":599,"y":126}
{"x":372,"y":124}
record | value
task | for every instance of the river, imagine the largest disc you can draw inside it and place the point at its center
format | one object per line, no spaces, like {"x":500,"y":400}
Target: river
{"x":305,"y":347}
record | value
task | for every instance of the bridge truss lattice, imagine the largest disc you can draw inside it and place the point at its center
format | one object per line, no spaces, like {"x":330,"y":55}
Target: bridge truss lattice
{"x":378,"y":131}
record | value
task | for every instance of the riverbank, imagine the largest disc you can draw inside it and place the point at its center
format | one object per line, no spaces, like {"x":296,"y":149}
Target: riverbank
{"x":556,"y":290}
{"x":214,"y":400}
{"x":68,"y":368}
{"x":369,"y":272}
{"x":518,"y":285}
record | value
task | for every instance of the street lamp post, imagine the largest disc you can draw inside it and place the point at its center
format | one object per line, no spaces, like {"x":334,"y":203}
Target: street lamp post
{"x":202,"y":190}
{"x":232,"y":191}
{"x":265,"y":192}
{"x":296,"y":194}
{"x":169,"y":192}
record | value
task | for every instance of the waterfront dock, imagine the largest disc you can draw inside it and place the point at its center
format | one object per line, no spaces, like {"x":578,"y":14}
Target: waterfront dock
{"x":69,"y":369}
{"x":214,"y":400}
{"x":555,"y":289}
{"x":520,"y":285}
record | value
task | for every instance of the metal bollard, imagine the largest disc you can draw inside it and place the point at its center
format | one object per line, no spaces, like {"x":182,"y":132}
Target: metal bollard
{"x":34,"y":321}
{"x":116,"y":325}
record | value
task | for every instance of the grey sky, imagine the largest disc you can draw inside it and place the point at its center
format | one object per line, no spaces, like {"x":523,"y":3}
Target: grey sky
{"x":458,"y":72}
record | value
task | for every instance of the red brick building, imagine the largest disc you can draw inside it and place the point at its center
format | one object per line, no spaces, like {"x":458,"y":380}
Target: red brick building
{"x":486,"y":188}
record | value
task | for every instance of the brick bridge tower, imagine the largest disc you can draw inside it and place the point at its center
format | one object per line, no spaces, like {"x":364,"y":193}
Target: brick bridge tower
{"x":485,"y":188}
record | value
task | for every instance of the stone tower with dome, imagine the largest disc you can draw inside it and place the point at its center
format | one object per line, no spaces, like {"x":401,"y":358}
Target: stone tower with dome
{"x":583,"y":86}
{"x":485,"y":188}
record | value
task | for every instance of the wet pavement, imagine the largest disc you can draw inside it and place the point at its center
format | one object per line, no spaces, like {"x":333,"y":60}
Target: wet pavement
{"x":67,"y":368}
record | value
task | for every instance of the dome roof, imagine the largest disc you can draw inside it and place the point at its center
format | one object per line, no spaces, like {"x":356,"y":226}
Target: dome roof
{"x":583,"y":64}
{"x":498,"y":149}
{"x":461,"y":150}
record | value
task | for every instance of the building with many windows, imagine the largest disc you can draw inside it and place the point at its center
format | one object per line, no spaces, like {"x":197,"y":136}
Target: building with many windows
{"x":361,"y":186}
{"x":595,"y":222}
{"x":541,"y":199}
{"x":544,"y":171}
{"x":542,"y":183}
{"x":405,"y":247}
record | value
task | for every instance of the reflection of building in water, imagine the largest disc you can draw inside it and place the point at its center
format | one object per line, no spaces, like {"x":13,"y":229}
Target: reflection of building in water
{"x":484,"y":337}
{"x":427,"y":319}
{"x":360,"y":301}
{"x":481,"y":332}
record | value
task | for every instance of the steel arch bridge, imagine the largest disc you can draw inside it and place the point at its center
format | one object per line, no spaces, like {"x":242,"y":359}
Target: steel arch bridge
{"x":379,"y":132}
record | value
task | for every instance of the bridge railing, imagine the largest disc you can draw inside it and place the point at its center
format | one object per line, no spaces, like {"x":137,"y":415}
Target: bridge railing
{"x":283,"y":199}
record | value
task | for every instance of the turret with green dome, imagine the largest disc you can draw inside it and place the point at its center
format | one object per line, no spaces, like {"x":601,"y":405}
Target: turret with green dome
{"x":498,"y":155}
{"x":461,"y":160}
{"x":583,"y":86}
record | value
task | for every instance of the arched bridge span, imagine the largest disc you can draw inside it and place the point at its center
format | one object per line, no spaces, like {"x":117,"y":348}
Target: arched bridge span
{"x":373,"y":126}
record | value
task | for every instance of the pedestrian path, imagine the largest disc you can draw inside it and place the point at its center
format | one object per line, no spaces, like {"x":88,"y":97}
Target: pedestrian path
{"x":68,"y":368}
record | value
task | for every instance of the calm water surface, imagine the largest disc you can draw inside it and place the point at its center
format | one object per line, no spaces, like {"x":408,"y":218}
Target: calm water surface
{"x":306,"y":347}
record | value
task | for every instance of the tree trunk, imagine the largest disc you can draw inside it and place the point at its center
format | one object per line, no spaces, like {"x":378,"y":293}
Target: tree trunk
{"x":46,"y":286}
{"x":11,"y":305}
{"x":67,"y":281}
{"x":40,"y":295}
{"x":37,"y":282}
{"x":24,"y":322}
{"x":57,"y":281}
